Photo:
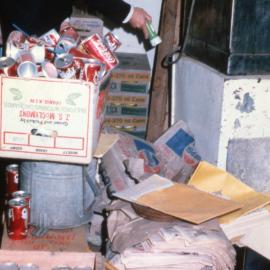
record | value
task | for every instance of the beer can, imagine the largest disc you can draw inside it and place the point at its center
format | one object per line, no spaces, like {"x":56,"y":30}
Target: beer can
{"x":17,"y":218}
{"x":93,"y":71}
{"x":8,"y":66}
{"x":95,"y":46}
{"x":26,"y":66}
{"x":12,"y":179}
{"x":26,"y":196}
{"x":112,"y":41}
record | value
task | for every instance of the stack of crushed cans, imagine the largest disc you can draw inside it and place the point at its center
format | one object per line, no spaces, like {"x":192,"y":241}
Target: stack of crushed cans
{"x":60,"y":55}
{"x":18,"y":205}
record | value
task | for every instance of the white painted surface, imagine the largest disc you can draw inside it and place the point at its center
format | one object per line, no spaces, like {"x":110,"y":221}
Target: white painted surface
{"x":218,"y":108}
{"x":130,"y":42}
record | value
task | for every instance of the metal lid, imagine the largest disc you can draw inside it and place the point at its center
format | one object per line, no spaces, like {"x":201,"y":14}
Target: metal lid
{"x":6,"y":62}
{"x":20,"y":194}
{"x":17,"y":202}
{"x":12,"y":167}
{"x":63,"y":61}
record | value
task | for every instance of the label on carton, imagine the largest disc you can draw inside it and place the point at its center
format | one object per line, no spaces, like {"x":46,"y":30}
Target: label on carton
{"x":47,"y":119}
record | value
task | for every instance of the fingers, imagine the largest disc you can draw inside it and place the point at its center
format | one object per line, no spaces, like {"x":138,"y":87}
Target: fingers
{"x":139,"y":19}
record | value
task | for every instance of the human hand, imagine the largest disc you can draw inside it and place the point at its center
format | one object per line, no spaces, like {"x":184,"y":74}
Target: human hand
{"x":139,"y":19}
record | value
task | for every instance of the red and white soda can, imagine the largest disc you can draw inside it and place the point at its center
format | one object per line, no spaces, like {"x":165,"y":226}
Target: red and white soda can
{"x":12,"y":179}
{"x":50,"y":38}
{"x":112,"y":41}
{"x":24,"y":195}
{"x":27,"y":67}
{"x":65,"y":65}
{"x":8,"y":66}
{"x":69,"y":38}
{"x":17,"y":218}
{"x":93,"y":71}
{"x":94,"y":45}
{"x":16,"y":37}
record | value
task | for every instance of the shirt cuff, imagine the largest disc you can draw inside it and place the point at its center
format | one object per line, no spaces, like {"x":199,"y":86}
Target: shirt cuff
{"x":130,"y":14}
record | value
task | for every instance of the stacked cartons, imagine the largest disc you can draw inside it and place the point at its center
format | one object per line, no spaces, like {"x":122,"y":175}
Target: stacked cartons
{"x":128,"y":99}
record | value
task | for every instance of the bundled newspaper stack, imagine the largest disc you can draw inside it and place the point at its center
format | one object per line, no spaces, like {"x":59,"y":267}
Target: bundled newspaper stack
{"x":149,"y":245}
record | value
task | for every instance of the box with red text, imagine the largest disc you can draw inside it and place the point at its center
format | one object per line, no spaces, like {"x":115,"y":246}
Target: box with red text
{"x":54,"y":120}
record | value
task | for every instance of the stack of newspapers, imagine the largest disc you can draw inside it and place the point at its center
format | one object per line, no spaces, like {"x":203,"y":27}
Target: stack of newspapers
{"x":174,"y":245}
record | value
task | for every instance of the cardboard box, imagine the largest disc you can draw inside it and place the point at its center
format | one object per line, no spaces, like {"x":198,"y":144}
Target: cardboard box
{"x":133,"y":74}
{"x":54,"y":120}
{"x":126,"y":110}
{"x":87,"y":26}
{"x":128,"y":99}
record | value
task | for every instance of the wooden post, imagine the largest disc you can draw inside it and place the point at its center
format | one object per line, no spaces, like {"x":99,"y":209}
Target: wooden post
{"x":169,"y":29}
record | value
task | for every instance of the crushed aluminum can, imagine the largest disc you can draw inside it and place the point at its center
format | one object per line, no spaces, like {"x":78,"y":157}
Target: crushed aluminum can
{"x":65,"y":64}
{"x":94,"y":45}
{"x":49,"y":70}
{"x":17,"y":219}
{"x":38,"y":52}
{"x":14,"y":51}
{"x":8,"y":66}
{"x":112,"y":41}
{"x":24,"y":195}
{"x":93,"y":71}
{"x":50,"y":38}
{"x":16,"y":37}
{"x":69,"y":38}
{"x":26,"y":68}
{"x":12,"y":179}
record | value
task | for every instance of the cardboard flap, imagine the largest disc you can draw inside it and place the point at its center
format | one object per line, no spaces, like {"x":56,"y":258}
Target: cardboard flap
{"x":210,"y":178}
{"x":178,"y":200}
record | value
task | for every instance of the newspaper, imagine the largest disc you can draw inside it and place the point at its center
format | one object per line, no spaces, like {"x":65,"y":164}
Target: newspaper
{"x":132,"y":159}
{"x":170,"y":245}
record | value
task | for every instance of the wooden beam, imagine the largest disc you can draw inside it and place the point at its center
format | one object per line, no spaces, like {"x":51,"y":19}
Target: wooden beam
{"x":169,"y":25}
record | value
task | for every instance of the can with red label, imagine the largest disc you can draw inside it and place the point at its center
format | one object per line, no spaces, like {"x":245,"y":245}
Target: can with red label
{"x":17,"y":219}
{"x":16,"y":37}
{"x":12,"y":179}
{"x":24,"y":195}
{"x":27,"y":67}
{"x":69,"y":38}
{"x":95,"y":46}
{"x":8,"y":66}
{"x":112,"y":41}
{"x":50,"y":38}
{"x":93,"y":71}
{"x":65,"y":65}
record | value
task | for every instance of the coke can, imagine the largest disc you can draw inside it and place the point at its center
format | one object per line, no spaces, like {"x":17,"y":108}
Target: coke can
{"x":12,"y":179}
{"x":26,"y":68}
{"x":69,"y":38}
{"x":17,"y":219}
{"x":64,"y":63}
{"x":112,"y":41}
{"x":8,"y":66}
{"x":26,"y":196}
{"x":16,"y":37}
{"x":94,"y":45}
{"x":93,"y":71}
{"x":50,"y":38}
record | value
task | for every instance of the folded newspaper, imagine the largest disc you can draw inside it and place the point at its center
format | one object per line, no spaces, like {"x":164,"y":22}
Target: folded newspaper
{"x":132,"y":159}
{"x":137,"y":243}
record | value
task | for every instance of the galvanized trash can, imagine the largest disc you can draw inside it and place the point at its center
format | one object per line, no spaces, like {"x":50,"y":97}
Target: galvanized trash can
{"x":62,"y":194}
